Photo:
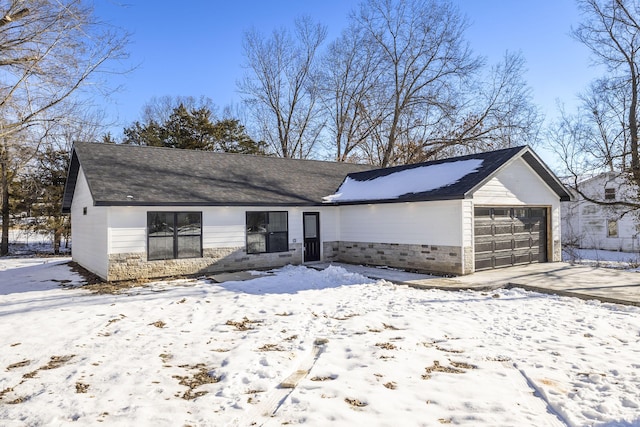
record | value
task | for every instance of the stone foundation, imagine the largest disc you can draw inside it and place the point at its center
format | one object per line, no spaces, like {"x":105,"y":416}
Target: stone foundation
{"x":135,"y":265}
{"x":330,"y":251}
{"x":469,"y":265}
{"x":557,"y":252}
{"x":423,"y":258}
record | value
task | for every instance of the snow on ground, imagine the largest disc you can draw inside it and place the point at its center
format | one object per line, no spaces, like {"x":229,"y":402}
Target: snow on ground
{"x":414,"y":180}
{"x":602,"y":258}
{"x":192,"y":352}
{"x":24,"y":242}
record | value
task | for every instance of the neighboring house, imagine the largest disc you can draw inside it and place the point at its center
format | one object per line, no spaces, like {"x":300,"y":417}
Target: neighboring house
{"x":151,"y":212}
{"x":589,"y":225}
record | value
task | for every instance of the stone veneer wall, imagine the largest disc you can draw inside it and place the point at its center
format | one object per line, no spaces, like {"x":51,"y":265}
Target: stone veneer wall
{"x":469,"y":265}
{"x":135,"y":265}
{"x":557,"y":252}
{"x":330,"y":251}
{"x":423,"y":258}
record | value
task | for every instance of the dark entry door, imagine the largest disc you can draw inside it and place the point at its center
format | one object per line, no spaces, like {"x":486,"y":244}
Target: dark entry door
{"x":311,"y":222}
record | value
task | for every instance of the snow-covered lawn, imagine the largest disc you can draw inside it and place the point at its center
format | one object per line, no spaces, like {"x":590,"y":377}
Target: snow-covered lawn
{"x":192,"y":352}
{"x":602,"y":258}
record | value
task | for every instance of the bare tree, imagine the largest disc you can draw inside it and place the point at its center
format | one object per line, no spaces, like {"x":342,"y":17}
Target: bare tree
{"x":280,"y":88}
{"x":424,"y":59}
{"x":401,"y":85}
{"x":611,"y":30}
{"x":599,"y":129}
{"x":349,"y":81}
{"x":51,"y":50}
{"x":496,"y":112}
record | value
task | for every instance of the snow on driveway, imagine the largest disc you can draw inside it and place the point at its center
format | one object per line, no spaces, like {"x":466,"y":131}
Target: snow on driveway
{"x":191,"y":352}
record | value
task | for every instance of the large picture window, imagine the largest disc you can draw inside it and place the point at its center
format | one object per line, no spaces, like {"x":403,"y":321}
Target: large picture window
{"x":174,"y":235}
{"x":267,"y":232}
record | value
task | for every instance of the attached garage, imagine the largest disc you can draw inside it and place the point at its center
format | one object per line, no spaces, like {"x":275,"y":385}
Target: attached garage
{"x":453,"y":216}
{"x":506,"y":236}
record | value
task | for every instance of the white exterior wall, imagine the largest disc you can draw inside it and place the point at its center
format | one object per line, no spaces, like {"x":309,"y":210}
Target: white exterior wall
{"x":222,"y":227}
{"x":88,"y":232}
{"x":515,"y":185}
{"x":518,"y":185}
{"x":467,"y":223}
{"x":584,"y":224}
{"x":419,"y":223}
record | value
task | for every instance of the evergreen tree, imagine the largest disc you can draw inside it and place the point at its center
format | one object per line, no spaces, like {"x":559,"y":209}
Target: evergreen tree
{"x":232,"y":138}
{"x":41,"y":191}
{"x":194,"y":129}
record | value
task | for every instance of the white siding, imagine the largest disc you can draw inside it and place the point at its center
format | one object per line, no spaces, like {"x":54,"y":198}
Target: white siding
{"x":127,"y":229}
{"x":330,"y":224}
{"x":517,"y":184}
{"x":88,"y":232}
{"x":222,"y":227}
{"x":584,"y":223}
{"x":421,"y":223}
{"x":467,"y":223}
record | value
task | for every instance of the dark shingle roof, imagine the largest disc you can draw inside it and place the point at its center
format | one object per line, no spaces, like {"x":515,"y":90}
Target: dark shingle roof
{"x":148,"y":176}
{"x":151,"y":176}
{"x":492,"y":162}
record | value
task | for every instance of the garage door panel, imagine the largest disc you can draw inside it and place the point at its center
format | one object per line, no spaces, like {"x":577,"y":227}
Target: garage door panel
{"x":503,"y":261}
{"x":501,"y":212}
{"x":524,"y":243}
{"x":523,"y":259}
{"x":502,"y":245}
{"x":507,"y":236}
{"x":503,"y":229}
{"x":483,"y":264}
{"x":484,"y":246}
{"x":483,"y":230}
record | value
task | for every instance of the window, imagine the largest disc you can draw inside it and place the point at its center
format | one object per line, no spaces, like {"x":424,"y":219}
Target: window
{"x":174,"y":235}
{"x":84,"y":210}
{"x":267,"y":232}
{"x":612,"y":228}
{"x":609,"y":193}
{"x":589,"y":210}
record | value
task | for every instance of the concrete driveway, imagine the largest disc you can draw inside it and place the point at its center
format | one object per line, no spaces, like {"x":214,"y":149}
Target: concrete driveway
{"x":604,"y":284}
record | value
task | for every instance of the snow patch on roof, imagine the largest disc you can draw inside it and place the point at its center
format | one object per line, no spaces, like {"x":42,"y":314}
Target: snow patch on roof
{"x":415,"y":180}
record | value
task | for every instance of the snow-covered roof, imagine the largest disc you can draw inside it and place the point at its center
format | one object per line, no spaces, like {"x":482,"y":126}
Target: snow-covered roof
{"x":426,"y":177}
{"x":446,"y":179}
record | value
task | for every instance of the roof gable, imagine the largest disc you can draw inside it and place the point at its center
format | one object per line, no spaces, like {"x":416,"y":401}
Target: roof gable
{"x":446,"y":179}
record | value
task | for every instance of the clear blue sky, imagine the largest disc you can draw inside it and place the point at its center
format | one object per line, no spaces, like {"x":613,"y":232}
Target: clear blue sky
{"x":195,"y":47}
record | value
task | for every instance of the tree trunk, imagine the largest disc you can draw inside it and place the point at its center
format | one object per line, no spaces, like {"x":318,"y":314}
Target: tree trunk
{"x":4,"y":182}
{"x":633,"y":130}
{"x":57,"y":238}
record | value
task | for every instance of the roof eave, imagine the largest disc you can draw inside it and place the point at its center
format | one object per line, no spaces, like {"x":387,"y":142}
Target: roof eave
{"x":397,"y":200}
{"x":119,"y":203}
{"x":70,"y":183}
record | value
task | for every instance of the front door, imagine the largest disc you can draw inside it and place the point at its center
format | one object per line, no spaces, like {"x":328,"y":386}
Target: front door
{"x":311,"y":222}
